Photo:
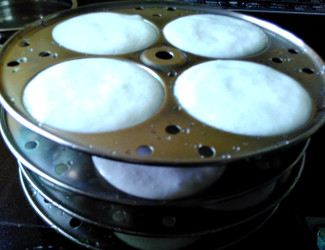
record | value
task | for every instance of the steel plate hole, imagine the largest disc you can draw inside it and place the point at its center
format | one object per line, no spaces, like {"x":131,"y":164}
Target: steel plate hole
{"x":168,"y":221}
{"x":171,"y":8}
{"x":13,"y":64}
{"x":308,"y":71}
{"x":293,"y":51}
{"x":173,"y":129}
{"x":156,"y":15}
{"x":24,"y":44}
{"x":74,"y":223}
{"x":44,"y":54}
{"x":61,"y":168}
{"x":139,"y":8}
{"x":172,"y":73}
{"x":206,"y":151}
{"x":31,"y":144}
{"x":145,"y":150}
{"x":277,"y":60}
{"x":165,"y":55}
{"x":120,"y":216}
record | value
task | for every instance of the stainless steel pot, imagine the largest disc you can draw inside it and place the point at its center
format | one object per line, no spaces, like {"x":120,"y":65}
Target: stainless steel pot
{"x":15,"y":14}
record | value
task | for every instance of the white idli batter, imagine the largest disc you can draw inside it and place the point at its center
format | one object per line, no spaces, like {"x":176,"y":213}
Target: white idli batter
{"x":156,"y":182}
{"x":93,"y":95}
{"x":243,"y":98}
{"x":215,"y":36}
{"x":105,"y":33}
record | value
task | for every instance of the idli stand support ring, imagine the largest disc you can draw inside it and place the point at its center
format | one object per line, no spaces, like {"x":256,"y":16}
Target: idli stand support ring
{"x":60,"y":180}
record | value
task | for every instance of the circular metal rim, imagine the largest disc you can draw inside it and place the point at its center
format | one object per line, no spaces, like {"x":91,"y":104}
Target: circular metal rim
{"x":133,"y":220}
{"x":115,"y":144}
{"x":81,"y":177}
{"x":95,"y":244}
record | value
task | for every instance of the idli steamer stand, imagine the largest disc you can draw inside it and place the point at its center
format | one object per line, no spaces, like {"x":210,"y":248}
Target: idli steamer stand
{"x":58,"y":176}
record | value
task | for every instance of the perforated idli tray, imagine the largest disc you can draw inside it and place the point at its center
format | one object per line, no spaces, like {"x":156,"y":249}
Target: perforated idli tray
{"x":160,"y":224}
{"x":169,"y":221}
{"x":170,"y":136}
{"x":74,"y":171}
{"x":95,"y":237}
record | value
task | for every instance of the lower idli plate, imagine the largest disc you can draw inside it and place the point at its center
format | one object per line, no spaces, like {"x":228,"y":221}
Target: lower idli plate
{"x":95,"y":237}
{"x":74,"y":171}
{"x":172,"y":221}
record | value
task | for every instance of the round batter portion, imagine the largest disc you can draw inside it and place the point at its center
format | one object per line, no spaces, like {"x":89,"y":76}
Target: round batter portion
{"x":243,"y":98}
{"x":93,"y":95}
{"x":105,"y":33}
{"x":215,"y":36}
{"x":157,"y":182}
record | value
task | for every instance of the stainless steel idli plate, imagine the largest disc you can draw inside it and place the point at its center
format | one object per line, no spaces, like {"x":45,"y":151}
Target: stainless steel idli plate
{"x":169,"y":220}
{"x":96,"y":237}
{"x":155,"y":141}
{"x":74,"y":170}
